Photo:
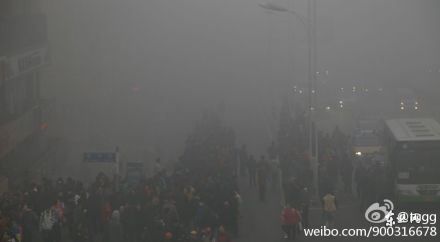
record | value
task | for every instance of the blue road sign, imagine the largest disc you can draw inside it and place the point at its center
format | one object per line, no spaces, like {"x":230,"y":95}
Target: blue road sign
{"x":134,"y":172}
{"x":104,"y":157}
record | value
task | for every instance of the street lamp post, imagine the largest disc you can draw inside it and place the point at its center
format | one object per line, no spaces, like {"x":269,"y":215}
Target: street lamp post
{"x":310,"y":24}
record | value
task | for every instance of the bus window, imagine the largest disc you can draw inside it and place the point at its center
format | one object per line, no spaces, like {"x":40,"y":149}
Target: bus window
{"x":421,"y":167}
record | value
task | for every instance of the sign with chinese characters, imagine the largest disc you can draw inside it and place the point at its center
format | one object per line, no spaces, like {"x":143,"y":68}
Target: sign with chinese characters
{"x":103,"y":157}
{"x":28,"y":61}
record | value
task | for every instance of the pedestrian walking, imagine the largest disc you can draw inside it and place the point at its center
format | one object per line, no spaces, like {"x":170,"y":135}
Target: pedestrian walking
{"x":305,"y":197}
{"x":115,"y":227}
{"x":243,"y":159}
{"x":30,"y":224}
{"x":329,"y":208}
{"x":262,"y":178}
{"x":48,"y":219}
{"x":223,"y":236}
{"x":290,"y":219}
{"x":252,"y":170}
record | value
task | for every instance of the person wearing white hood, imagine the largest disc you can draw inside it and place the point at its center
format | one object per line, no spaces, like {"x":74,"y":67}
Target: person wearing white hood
{"x":115,"y":228}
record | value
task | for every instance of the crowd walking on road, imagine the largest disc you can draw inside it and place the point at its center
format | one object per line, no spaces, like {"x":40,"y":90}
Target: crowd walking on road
{"x":197,"y":200}
{"x":166,"y":207}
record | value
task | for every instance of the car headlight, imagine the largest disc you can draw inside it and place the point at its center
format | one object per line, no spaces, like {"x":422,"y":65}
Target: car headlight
{"x":416,"y":108}
{"x":358,"y":153}
{"x":402,"y":108}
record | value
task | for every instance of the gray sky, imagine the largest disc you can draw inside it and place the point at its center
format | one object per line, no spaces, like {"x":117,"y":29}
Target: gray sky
{"x":186,"y":55}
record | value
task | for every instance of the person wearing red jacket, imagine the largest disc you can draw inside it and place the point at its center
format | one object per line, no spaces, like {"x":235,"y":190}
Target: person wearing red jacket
{"x":106,"y":212}
{"x":290,"y":218}
{"x":223,"y":236}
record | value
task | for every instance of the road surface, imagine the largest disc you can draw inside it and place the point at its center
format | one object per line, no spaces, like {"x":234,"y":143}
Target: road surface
{"x":260,"y":221}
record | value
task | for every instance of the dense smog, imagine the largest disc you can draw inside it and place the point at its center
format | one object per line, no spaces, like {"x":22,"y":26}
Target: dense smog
{"x":219,"y":120}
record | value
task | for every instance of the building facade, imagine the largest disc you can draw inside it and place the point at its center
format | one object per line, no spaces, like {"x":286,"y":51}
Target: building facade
{"x":24,"y":114}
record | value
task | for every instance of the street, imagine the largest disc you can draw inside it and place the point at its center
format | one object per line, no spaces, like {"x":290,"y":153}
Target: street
{"x":219,"y":121}
{"x":260,"y":221}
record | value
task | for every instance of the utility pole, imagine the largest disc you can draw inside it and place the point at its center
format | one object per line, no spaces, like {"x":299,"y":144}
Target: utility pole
{"x":309,"y":77}
{"x":315,"y":71}
{"x":312,"y":84}
{"x":310,"y":24}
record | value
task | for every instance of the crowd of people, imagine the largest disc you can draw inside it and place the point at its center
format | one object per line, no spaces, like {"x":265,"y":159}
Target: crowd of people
{"x":263,"y":174}
{"x":373,"y":181}
{"x":334,"y":164}
{"x":196,"y":201}
{"x":178,"y":206}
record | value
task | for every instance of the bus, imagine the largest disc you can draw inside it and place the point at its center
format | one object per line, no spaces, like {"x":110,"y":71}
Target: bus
{"x":407,"y":100}
{"x":412,"y":148}
{"x":365,"y":138}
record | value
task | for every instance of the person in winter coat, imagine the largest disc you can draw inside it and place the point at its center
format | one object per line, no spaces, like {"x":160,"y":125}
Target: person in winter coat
{"x":206,"y":235}
{"x":58,"y":207}
{"x":252,"y":171}
{"x":168,"y":237}
{"x":30,"y":224}
{"x":329,"y":208}
{"x":128,"y":220}
{"x":227,"y":216}
{"x":262,"y":178}
{"x":290,"y":218}
{"x":223,"y":236}
{"x":169,"y":213}
{"x":48,"y":219}
{"x":115,"y":227}
{"x":194,"y":236}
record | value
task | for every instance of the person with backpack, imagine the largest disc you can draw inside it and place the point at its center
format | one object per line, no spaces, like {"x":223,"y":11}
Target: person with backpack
{"x":290,"y":219}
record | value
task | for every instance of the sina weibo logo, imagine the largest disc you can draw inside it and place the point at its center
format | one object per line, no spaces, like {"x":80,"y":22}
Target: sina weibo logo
{"x":379,"y":213}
